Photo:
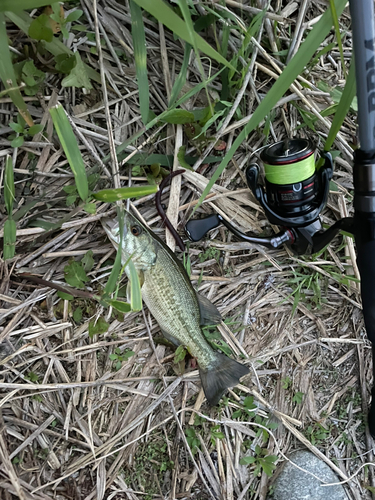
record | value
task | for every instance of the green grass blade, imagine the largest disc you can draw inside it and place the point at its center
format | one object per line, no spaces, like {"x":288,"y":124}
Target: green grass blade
{"x":71,"y":149}
{"x":290,"y":73}
{"x":16,"y":5}
{"x":181,"y":79}
{"x":9,"y":190}
{"x":9,"y":239}
{"x":342,"y":109}
{"x":152,"y":123}
{"x":140,"y":56}
{"x":338,"y":34}
{"x":163,"y":13}
{"x":119,"y":305}
{"x":8,"y":76}
{"x":135,"y":288}
{"x":111,"y":195}
{"x":193,"y":41}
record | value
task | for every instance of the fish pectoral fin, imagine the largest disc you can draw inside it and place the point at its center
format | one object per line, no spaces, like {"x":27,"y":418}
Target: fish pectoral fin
{"x":209,"y":313}
{"x":224,"y":373}
{"x":171,"y":339}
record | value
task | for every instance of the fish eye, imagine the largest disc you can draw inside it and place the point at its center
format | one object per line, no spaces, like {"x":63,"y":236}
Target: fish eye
{"x":136,"y":230}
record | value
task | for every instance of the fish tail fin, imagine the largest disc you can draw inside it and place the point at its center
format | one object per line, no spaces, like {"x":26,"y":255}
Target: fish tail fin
{"x":223,"y":373}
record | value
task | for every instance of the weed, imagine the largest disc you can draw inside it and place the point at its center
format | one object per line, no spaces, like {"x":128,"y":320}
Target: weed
{"x":33,"y":377}
{"x":22,"y":131}
{"x":210,"y":253}
{"x":306,"y":282}
{"x":261,"y":460}
{"x":317,"y":434}
{"x":298,"y":397}
{"x":215,"y":433}
{"x":286,"y":383}
{"x":119,"y":357}
{"x":247,"y":411}
{"x":151,"y":458}
{"x":192,"y":440}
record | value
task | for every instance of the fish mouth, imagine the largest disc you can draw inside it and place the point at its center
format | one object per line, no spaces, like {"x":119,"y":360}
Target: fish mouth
{"x":111,"y":227}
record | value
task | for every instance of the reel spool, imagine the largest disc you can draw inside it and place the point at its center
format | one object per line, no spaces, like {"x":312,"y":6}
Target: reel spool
{"x":295,"y":192}
{"x":293,"y":195}
{"x":291,"y":182}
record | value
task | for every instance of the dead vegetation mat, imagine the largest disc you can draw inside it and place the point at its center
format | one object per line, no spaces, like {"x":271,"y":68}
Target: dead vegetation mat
{"x":79,"y":418}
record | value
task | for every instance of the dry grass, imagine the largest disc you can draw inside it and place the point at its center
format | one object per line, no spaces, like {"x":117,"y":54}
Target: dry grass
{"x":74,"y":428}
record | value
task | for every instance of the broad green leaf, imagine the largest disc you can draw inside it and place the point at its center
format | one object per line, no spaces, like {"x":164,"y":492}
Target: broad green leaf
{"x":40,"y":29}
{"x":135,"y":288}
{"x":17,"y":142}
{"x":88,"y":261}
{"x":247,"y":460}
{"x":9,"y":239}
{"x":64,"y":63}
{"x":140,"y":57}
{"x":164,"y":13}
{"x":35,"y":129}
{"x":98,"y":327}
{"x":71,"y":149}
{"x":16,"y":127}
{"x":7,"y":74}
{"x":74,"y":16}
{"x":119,"y":305}
{"x":56,"y":47}
{"x":75,"y":275}
{"x":90,"y":208}
{"x":178,"y":116}
{"x":9,"y":189}
{"x":287,"y":77}
{"x":78,"y":76}
{"x":77,"y":314}
{"x":110,"y":195}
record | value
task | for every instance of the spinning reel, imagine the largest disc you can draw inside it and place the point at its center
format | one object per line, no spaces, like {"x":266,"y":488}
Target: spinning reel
{"x":293,"y":196}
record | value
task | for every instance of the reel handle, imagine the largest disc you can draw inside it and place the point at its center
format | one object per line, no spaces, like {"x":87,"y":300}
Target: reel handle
{"x":196,"y":229}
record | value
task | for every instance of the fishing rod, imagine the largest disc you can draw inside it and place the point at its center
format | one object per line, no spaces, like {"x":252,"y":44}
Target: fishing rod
{"x":295,"y":191}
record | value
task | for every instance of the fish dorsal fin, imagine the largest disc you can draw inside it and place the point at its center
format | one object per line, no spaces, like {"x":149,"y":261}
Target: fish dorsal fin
{"x":209,"y":313}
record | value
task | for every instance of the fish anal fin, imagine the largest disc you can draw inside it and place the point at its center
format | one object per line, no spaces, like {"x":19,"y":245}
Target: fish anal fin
{"x":225,"y":373}
{"x":208,"y":311}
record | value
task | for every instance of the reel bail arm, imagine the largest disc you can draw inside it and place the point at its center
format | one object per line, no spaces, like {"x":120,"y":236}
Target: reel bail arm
{"x":293,"y":197}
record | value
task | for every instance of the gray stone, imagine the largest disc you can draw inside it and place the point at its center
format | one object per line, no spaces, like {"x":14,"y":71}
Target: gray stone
{"x":294,"y":484}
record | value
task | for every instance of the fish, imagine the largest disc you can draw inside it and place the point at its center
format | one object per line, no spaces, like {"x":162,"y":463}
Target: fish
{"x":172,"y":300}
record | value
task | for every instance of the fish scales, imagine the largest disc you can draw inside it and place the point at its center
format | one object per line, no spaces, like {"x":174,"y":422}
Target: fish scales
{"x":169,"y":295}
{"x":176,"y":314}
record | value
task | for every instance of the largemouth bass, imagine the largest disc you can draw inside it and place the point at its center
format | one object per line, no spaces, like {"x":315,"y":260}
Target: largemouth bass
{"x":179,"y":310}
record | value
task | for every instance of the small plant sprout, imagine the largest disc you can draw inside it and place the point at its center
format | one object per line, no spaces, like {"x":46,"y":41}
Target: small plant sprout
{"x":118,"y":357}
{"x":261,"y":460}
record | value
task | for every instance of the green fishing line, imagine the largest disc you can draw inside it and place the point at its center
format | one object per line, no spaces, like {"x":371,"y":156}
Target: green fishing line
{"x":291,"y":173}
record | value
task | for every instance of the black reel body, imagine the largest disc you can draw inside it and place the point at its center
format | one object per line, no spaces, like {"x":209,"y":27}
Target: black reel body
{"x":293,"y":195}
